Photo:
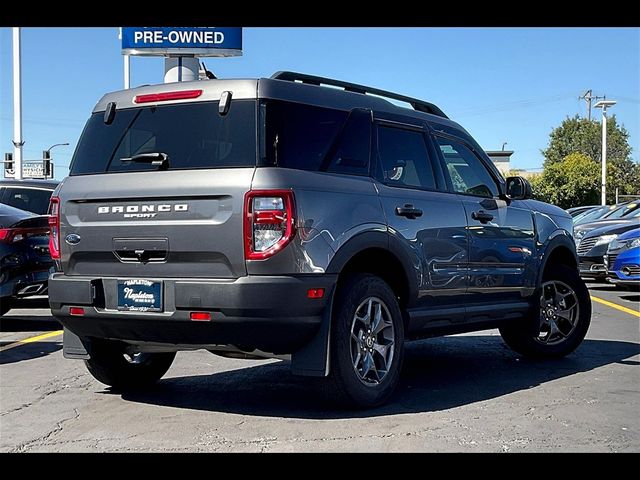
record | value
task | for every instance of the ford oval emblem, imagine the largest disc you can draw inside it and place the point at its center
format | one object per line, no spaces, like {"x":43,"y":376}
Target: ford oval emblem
{"x":72,"y":239}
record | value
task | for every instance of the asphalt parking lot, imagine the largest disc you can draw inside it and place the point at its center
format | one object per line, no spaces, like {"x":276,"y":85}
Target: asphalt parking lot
{"x":463,"y":393}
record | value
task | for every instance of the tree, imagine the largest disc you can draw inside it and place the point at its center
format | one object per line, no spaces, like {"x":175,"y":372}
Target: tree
{"x":570,"y":182}
{"x":579,"y":135}
{"x":623,"y":175}
{"x":584,"y":137}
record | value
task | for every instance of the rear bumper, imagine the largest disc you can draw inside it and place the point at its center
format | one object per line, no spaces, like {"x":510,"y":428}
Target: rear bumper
{"x":23,"y":284}
{"x":269,"y":313}
{"x":632,"y":282}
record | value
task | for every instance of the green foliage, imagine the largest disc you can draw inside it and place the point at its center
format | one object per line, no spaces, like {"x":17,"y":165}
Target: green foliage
{"x":539,"y":193}
{"x":579,"y":135}
{"x":572,"y":168}
{"x":625,"y":175}
{"x":570,"y":182}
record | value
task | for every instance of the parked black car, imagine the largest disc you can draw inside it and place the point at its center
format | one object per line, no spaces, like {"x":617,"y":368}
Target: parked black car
{"x":24,"y":255}
{"x":30,"y":195}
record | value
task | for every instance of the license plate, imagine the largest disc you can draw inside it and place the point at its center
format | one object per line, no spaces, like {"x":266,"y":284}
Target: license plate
{"x":139,"y":295}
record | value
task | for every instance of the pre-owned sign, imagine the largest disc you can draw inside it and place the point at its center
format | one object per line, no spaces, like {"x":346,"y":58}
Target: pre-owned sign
{"x":199,"y":41}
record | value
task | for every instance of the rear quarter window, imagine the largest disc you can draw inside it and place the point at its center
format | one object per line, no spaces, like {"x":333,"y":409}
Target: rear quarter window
{"x":300,"y":136}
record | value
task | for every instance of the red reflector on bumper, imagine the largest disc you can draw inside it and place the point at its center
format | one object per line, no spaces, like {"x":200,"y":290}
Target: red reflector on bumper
{"x":315,"y":293}
{"x":201,"y":316}
{"x":76,"y":311}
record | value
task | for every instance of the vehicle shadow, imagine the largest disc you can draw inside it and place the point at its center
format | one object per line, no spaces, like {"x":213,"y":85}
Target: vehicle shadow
{"x":632,"y":298}
{"x":28,"y":351}
{"x":28,"y":323}
{"x":438,"y":374}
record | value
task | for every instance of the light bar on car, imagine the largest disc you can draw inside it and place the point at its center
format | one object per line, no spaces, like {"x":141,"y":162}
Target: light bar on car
{"x":164,"y":96}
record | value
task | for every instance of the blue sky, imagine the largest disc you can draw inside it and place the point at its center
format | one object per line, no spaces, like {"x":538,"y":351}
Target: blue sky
{"x":502,"y":84}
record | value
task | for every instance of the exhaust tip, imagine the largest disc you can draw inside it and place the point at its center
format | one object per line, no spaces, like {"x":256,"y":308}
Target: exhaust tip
{"x":30,"y":289}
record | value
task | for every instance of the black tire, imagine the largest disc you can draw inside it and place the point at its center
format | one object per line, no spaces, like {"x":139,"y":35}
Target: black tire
{"x":522,"y":337}
{"x":344,"y":384}
{"x":109,"y":365}
{"x":5,"y":305}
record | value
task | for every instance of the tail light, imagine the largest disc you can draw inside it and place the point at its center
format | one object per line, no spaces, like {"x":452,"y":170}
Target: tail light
{"x":54,"y":227}
{"x":268,"y":222}
{"x":14,"y":235}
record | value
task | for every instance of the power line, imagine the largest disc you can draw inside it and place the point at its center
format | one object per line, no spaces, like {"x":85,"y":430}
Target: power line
{"x":587,"y":97}
{"x":518,"y":104}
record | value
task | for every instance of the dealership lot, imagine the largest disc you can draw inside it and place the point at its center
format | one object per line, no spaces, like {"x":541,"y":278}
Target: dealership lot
{"x":462,"y":393}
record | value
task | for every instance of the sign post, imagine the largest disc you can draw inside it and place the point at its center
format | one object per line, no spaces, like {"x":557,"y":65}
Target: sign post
{"x":182,"y":46}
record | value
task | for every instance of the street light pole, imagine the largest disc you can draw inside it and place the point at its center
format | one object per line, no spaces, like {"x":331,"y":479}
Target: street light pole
{"x":604,"y":104}
{"x":17,"y":105}
{"x":48,"y":150}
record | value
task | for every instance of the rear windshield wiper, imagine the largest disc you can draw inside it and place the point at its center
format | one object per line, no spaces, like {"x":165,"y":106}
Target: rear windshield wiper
{"x":154,"y":158}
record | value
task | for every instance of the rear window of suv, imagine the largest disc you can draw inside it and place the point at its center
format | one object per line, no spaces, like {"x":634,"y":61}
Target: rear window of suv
{"x":192,"y":135}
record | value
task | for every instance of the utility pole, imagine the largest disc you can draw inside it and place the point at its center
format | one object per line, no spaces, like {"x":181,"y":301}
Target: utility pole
{"x":587,"y":97}
{"x":17,"y":105}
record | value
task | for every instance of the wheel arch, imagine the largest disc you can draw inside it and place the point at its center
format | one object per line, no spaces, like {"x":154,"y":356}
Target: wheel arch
{"x":379,"y":254}
{"x":560,"y":250}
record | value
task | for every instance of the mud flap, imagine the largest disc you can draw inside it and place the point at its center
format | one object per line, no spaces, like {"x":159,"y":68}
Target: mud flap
{"x":74,"y":347}
{"x":312,"y":360}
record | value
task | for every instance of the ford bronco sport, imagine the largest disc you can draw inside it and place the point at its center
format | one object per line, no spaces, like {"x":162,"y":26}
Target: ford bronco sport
{"x":298,"y":216}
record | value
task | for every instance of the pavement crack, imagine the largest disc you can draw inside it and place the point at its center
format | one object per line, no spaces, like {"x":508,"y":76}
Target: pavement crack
{"x":58,"y":387}
{"x":43,"y":438}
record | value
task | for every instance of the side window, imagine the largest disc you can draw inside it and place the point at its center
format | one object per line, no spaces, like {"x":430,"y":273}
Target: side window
{"x":29,"y":199}
{"x":300,"y":136}
{"x":467,"y":173}
{"x":351,"y":153}
{"x":404,"y":158}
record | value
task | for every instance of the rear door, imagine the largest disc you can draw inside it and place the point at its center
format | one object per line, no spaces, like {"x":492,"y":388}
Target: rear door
{"x":179,"y":217}
{"x":423,"y":219}
{"x":501,"y":233}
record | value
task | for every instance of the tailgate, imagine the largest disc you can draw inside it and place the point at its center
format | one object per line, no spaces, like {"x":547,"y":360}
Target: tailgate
{"x":180,"y":223}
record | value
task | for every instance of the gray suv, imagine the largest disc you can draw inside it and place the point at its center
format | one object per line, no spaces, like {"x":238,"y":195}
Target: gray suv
{"x":300,"y":217}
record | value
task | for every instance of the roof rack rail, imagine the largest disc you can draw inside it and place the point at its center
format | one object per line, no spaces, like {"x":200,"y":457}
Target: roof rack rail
{"x":419,"y":105}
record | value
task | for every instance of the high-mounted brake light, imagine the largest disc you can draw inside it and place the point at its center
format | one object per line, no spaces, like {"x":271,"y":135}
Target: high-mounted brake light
{"x":164,"y":96}
{"x":54,"y":228}
{"x":268,"y":222}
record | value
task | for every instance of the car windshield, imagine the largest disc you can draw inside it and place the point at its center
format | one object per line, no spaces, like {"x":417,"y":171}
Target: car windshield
{"x":591,"y":215}
{"x":623,"y":211}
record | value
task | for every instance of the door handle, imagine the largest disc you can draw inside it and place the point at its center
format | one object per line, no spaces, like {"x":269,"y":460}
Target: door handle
{"x":408,"y":211}
{"x":482,"y":216}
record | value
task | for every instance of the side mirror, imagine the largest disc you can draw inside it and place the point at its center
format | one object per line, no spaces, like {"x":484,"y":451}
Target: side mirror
{"x":518,"y":188}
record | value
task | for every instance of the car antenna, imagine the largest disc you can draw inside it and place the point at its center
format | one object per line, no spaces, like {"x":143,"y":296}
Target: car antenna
{"x":208,"y":73}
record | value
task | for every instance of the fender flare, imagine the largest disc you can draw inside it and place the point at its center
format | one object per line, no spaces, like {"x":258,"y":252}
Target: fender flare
{"x":559,"y":238}
{"x":384,"y":241}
